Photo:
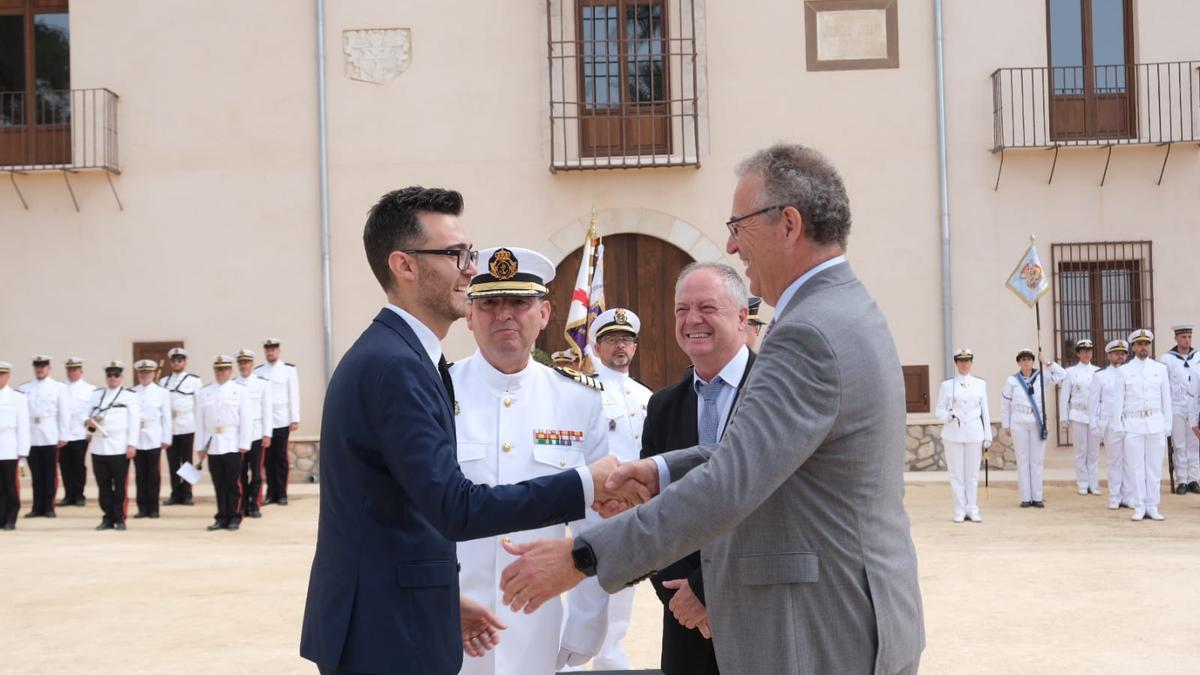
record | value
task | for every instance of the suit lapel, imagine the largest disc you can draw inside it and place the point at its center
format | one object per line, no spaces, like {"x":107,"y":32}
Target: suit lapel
{"x":398,"y":325}
{"x":737,"y":393}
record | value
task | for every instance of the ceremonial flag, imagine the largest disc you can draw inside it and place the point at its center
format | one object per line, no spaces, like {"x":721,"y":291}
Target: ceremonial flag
{"x":596,"y":294}
{"x":1028,"y":279}
{"x":577,"y":315}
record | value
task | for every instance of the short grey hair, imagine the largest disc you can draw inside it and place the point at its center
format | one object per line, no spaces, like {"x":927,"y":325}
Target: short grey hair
{"x":735,"y":288}
{"x":798,"y":176}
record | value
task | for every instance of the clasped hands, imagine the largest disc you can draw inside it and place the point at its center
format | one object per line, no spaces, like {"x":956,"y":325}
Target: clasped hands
{"x":544,"y":569}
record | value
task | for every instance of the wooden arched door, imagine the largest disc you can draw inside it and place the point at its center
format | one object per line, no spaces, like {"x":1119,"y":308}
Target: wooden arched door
{"x":639,"y":274}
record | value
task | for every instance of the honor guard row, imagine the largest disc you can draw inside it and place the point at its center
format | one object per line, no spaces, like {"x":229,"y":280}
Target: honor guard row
{"x":119,"y":424}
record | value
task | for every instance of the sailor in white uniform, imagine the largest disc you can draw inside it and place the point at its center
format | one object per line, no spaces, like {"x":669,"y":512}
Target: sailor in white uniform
{"x":1143,"y":399}
{"x":1021,"y":414}
{"x":1075,"y":414}
{"x":962,"y":407}
{"x":517,"y":419}
{"x":1106,"y":426}
{"x":1183,"y":362}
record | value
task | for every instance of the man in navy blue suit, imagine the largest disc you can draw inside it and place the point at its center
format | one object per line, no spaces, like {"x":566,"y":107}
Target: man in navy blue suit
{"x":383,"y":592}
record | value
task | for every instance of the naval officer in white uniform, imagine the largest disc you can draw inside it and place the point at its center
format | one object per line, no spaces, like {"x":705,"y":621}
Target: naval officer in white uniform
{"x":517,"y":419}
{"x":962,"y":407}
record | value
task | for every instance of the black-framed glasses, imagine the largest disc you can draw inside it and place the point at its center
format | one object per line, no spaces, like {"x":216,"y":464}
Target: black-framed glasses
{"x":465,"y":257}
{"x":625,"y":340}
{"x":735,"y":230}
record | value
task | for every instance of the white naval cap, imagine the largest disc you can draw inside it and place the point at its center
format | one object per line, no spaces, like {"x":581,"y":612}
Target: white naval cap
{"x":41,"y":360}
{"x":513,"y":271}
{"x":1026,"y":351}
{"x":222,"y":361}
{"x":1182,"y":328}
{"x":177,"y":351}
{"x":1117,"y":345}
{"x":114,"y":365}
{"x":564,"y":356}
{"x":1141,"y":335}
{"x":73,"y":362}
{"x":244,"y":355}
{"x":615,"y":320}
{"x":964,"y":354}
{"x":5,"y":367}
{"x":271,"y":342}
{"x":1084,"y":344}
{"x":144,"y":365}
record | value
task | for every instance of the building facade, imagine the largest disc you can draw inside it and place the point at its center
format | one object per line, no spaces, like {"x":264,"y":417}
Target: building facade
{"x":164,"y":160}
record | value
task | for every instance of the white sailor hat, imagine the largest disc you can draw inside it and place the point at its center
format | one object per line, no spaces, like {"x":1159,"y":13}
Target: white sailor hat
{"x":271,"y":342}
{"x":177,"y":352}
{"x":244,"y":355}
{"x":73,"y":362}
{"x":1117,"y":345}
{"x":5,"y":367}
{"x":1182,"y":328}
{"x":145,"y":365}
{"x":616,"y":320}
{"x":116,"y":365}
{"x":1026,"y":351}
{"x":41,"y":360}
{"x":964,"y":354}
{"x":511,"y":271}
{"x":564,"y":356}
{"x":1141,"y":335}
{"x":222,"y":361}
{"x":1084,"y":344}
{"x":754,"y":304}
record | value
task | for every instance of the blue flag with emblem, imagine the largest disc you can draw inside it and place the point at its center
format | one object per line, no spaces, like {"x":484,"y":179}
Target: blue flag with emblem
{"x":1028,"y":279}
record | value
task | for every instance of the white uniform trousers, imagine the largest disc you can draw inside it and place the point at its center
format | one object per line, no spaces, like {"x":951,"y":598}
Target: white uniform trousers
{"x":612,"y":655}
{"x":962,"y":461}
{"x":1144,"y":453}
{"x":1030,"y":448}
{"x":1087,"y":456}
{"x":1186,"y":451}
{"x":1120,"y":469}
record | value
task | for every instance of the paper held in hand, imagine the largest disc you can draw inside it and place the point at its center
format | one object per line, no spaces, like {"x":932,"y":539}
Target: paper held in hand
{"x":190,"y":473}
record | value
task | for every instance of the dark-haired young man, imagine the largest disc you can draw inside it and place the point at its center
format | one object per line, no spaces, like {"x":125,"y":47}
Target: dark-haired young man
{"x":383,"y":591}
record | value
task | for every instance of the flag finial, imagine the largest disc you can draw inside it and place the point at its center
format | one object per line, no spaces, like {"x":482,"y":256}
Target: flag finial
{"x":592,"y":232}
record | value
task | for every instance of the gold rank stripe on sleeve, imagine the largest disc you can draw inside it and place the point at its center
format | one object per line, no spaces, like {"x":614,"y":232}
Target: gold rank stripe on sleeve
{"x":557,"y":437}
{"x":585,"y":380}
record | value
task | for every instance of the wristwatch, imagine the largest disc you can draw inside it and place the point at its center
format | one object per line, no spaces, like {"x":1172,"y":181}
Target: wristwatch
{"x":584,"y":557}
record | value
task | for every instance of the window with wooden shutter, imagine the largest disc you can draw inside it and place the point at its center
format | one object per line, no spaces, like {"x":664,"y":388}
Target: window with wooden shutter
{"x":916,"y":389}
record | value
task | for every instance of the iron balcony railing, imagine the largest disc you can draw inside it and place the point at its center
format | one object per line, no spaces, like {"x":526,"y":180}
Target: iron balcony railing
{"x":1138,"y":103}
{"x":58,"y":130}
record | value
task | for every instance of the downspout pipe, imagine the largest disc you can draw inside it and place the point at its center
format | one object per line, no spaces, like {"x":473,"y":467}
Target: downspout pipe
{"x":323,"y":136}
{"x":943,"y":192}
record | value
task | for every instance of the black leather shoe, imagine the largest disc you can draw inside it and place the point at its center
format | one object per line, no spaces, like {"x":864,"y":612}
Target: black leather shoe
{"x":64,"y":502}
{"x":187,"y":501}
{"x":49,"y":514}
{"x":1181,"y":489}
{"x":255,"y":514}
{"x":82,"y":501}
{"x":268,"y":500}
{"x":233,"y":526}
{"x":1039,"y":504}
{"x":282,"y":501}
{"x":104,"y":525}
{"x":139,"y":514}
{"x":33,"y":514}
{"x":152,"y":515}
{"x":215,"y":526}
{"x":119,"y":526}
{"x":9,"y":526}
{"x":1026,"y":505}
{"x":1194,"y":487}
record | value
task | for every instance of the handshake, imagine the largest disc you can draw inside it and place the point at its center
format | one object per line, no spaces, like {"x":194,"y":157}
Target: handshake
{"x":618,"y":487}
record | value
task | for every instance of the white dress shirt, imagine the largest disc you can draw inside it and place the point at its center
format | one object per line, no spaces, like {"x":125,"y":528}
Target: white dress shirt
{"x":14,"y":424}
{"x":154,"y":403}
{"x":49,"y":411}
{"x":80,"y":393}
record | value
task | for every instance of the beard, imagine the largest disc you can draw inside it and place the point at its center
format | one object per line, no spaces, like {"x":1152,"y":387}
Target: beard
{"x":438,"y":296}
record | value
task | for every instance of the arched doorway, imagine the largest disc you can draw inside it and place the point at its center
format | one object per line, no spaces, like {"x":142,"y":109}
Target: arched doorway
{"x":639,"y":274}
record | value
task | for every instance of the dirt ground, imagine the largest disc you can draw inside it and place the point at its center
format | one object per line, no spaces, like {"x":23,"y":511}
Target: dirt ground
{"x":1072,"y":588}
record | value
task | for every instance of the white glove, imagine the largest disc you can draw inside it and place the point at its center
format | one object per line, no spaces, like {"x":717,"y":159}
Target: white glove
{"x":987,"y":445}
{"x":566,"y":657}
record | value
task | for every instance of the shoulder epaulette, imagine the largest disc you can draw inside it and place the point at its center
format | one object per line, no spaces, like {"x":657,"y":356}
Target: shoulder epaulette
{"x":259,"y":366}
{"x":262,"y":378}
{"x":240,"y":383}
{"x":289,"y":364}
{"x":585,"y":380}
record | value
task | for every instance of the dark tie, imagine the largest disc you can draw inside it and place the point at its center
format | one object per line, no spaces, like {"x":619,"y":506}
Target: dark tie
{"x":444,"y":371}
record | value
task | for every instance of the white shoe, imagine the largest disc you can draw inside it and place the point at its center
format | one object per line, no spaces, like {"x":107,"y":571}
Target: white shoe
{"x":975,"y":517}
{"x":1155,"y":515}
{"x":1096,"y":491}
{"x":1083,"y":491}
{"x":958,"y":517}
{"x":1138,"y":514}
{"x":1113,"y":506}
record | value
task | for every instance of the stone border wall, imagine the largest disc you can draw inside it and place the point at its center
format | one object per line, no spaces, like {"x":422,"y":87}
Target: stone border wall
{"x":303,"y":453}
{"x":924,"y":450}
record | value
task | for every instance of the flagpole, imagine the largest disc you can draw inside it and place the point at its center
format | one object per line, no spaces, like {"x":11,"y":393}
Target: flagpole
{"x":1037,"y":312}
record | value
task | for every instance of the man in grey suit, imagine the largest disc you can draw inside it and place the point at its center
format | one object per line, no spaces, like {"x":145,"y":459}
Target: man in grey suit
{"x":808,"y":563}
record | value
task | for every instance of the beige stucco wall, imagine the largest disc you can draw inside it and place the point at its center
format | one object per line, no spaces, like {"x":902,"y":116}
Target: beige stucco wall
{"x":218,"y":244}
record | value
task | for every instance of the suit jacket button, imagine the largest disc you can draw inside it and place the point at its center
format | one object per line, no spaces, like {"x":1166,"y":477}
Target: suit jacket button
{"x":506,"y":539}
{"x":562,"y":462}
{"x":507,"y":447}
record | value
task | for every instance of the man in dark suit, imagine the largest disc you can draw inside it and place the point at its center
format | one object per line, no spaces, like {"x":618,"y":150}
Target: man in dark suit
{"x":710,"y":327}
{"x":383,"y":592}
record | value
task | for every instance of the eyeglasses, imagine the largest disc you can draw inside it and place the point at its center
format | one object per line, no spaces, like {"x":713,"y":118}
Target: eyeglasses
{"x":465,"y":257}
{"x":112,"y":374}
{"x":735,"y":230}
{"x":619,"y":340}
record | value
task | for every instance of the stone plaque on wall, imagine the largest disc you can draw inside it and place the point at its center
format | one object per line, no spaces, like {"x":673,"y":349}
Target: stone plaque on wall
{"x":851,"y":34}
{"x":376,"y":55}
